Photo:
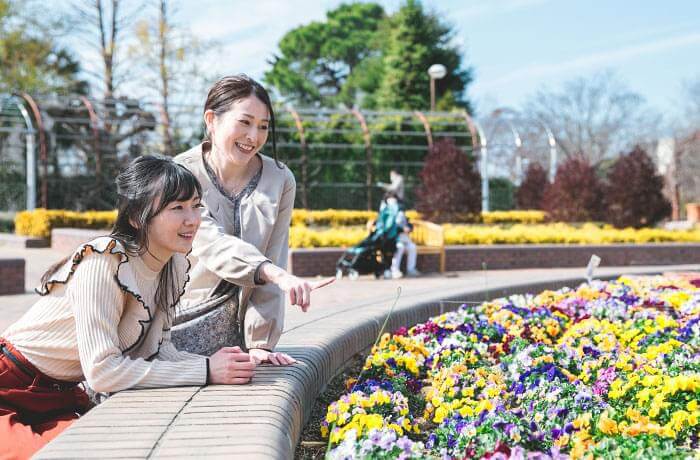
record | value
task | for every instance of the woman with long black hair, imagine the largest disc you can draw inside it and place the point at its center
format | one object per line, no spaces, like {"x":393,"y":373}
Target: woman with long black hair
{"x":105,"y":314}
{"x":239,"y":279}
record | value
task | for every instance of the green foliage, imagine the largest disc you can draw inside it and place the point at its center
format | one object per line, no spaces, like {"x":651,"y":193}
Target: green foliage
{"x":327,"y":63}
{"x":501,"y":194}
{"x":360,"y":57}
{"x":31,"y":62}
{"x":7,"y":224}
{"x":416,"y":41}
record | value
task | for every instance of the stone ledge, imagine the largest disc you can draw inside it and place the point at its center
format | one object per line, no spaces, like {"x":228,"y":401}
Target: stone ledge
{"x":67,"y":239}
{"x":11,"y":276}
{"x":264,"y":419}
{"x":321,"y":261}
{"x":24,"y":241}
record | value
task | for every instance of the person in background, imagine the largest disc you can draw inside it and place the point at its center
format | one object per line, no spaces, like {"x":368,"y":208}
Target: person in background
{"x":404,"y":245}
{"x":396,"y":186}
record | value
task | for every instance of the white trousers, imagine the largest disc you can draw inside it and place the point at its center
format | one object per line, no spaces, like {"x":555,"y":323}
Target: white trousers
{"x":404,"y":244}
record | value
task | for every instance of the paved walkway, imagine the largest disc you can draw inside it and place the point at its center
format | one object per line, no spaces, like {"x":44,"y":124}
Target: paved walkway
{"x":265,"y":419}
{"x":340,"y":296}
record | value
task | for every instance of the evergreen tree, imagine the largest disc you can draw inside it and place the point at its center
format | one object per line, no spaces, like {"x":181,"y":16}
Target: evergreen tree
{"x":415,"y":41}
{"x":329,"y":63}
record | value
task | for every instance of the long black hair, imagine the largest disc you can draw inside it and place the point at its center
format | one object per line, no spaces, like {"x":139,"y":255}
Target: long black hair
{"x":145,"y":187}
{"x":230,"y":89}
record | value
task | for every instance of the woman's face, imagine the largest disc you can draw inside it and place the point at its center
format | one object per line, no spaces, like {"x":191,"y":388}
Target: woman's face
{"x":173,"y":228}
{"x":238,"y":134}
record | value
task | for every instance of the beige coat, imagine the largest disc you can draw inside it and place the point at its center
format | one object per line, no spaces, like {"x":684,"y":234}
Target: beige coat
{"x":216,"y":254}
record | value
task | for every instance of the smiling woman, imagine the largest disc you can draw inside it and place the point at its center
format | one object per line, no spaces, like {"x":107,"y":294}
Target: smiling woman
{"x":105,"y":314}
{"x":239,"y":282}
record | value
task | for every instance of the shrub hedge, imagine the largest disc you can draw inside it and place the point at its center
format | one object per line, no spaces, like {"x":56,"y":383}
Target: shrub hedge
{"x":39,"y":222}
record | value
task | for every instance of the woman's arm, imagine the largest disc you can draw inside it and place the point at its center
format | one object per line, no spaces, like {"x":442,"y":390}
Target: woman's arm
{"x":264,"y":318}
{"x":98,"y":304}
{"x":227,"y":256}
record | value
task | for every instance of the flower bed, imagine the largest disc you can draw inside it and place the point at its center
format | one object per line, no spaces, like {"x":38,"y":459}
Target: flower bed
{"x":40,"y":221}
{"x":611,"y":369}
{"x":555,"y":233}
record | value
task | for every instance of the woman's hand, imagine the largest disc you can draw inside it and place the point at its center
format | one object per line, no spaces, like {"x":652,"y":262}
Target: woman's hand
{"x":260,"y":355}
{"x":298,"y":290}
{"x":230,"y":366}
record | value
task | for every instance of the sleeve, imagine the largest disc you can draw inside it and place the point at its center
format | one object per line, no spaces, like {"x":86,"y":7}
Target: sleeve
{"x":98,"y":303}
{"x":227,"y":256}
{"x":264,"y":318}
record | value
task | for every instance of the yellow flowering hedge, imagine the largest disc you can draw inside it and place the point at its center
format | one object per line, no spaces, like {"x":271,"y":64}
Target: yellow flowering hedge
{"x":39,"y":222}
{"x":555,"y":233}
{"x":343,"y":228}
{"x":514,"y":217}
{"x":345,"y":217}
{"x":560,"y":233}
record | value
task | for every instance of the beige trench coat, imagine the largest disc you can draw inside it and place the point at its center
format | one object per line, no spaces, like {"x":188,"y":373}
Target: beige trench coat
{"x":216,"y":254}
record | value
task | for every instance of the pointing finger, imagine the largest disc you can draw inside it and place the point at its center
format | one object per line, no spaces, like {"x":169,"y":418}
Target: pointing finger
{"x":322,"y":283}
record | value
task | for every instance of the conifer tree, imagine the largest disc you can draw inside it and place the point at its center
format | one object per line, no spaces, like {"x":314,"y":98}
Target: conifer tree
{"x":416,"y":40}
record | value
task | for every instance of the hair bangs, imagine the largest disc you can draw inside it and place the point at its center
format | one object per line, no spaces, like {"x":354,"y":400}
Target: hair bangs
{"x":177,"y":184}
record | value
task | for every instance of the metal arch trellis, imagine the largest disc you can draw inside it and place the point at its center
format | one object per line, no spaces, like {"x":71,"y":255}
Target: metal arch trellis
{"x":373,"y":135}
{"x":43,"y":147}
{"x":338,"y":150}
{"x":70,"y":136}
{"x":30,"y":141}
{"x":514,"y":123}
{"x":551,"y":140}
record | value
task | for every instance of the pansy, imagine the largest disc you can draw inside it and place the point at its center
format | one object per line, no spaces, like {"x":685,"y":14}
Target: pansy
{"x":605,"y":367}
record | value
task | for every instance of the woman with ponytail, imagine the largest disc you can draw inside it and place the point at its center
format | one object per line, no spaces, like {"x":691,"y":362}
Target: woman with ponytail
{"x":239,"y":280}
{"x":105,"y":314}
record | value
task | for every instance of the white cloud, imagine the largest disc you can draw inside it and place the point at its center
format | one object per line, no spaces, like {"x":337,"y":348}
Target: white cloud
{"x":590,"y":61}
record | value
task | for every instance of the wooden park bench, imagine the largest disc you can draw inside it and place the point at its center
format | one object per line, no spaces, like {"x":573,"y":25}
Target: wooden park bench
{"x":430,"y":239}
{"x":428,"y":236}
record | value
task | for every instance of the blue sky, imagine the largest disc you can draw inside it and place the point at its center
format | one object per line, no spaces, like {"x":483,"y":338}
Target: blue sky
{"x":515,"y":46}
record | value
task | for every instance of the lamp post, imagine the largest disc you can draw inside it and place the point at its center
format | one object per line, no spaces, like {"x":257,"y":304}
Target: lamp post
{"x":436,"y":72}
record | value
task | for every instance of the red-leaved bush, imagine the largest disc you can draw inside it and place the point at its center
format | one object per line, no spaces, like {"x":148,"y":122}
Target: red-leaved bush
{"x":450,"y":184}
{"x":634,"y":196}
{"x":576,"y":194}
{"x":532,"y":188}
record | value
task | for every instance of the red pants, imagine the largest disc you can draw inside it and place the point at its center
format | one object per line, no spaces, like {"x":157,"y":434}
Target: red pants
{"x":33,"y":409}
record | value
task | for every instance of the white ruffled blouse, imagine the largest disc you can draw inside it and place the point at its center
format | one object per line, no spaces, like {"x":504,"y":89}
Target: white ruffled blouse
{"x":96,"y":321}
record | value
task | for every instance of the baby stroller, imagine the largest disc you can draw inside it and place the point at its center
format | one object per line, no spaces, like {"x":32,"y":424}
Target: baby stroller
{"x":374,"y":253}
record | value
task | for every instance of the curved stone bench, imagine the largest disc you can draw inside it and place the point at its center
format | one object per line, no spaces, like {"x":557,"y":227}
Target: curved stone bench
{"x":265,"y":419}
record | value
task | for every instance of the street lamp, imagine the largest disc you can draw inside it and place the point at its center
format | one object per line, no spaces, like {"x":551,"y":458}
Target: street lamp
{"x":436,"y":72}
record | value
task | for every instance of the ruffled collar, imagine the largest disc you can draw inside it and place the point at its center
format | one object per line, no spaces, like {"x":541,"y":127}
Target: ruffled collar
{"x":125,"y":277}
